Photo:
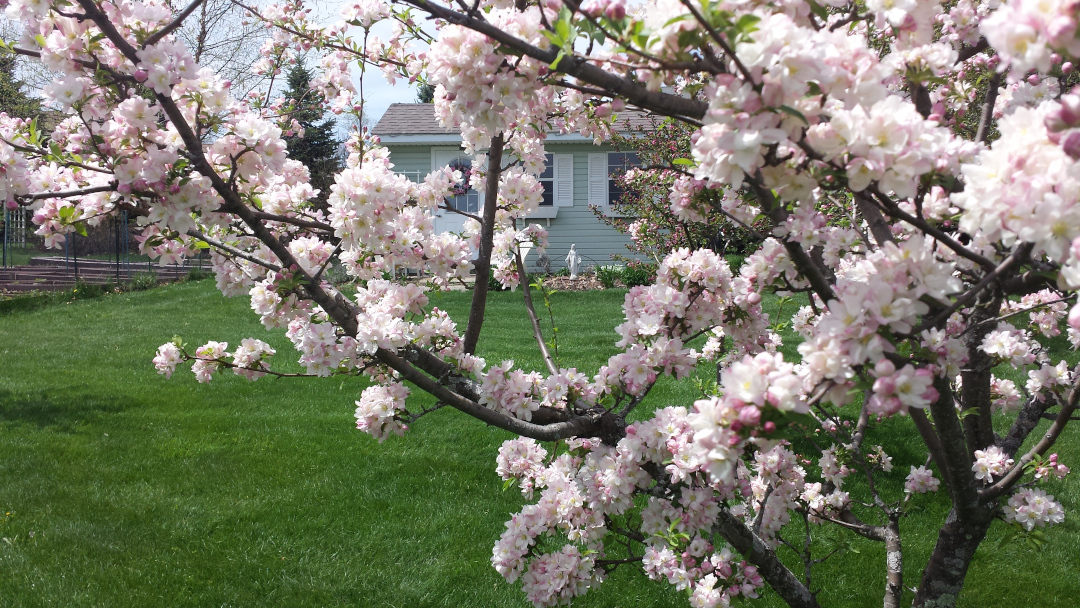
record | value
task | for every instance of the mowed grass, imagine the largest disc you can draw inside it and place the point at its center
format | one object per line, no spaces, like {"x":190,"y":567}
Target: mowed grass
{"x":121,"y":488}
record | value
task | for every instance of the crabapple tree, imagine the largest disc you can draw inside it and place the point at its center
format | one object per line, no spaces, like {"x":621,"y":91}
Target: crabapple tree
{"x":945,"y":133}
{"x":658,"y":219}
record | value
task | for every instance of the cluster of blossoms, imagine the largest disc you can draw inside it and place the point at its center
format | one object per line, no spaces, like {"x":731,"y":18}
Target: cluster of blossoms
{"x":1027,"y":33}
{"x":249,"y":360}
{"x":379,"y":409}
{"x":879,"y":293}
{"x":1051,"y":467}
{"x":1031,"y":507}
{"x":724,"y":577}
{"x":1023,"y":187}
{"x":1006,"y":343}
{"x":897,"y":390}
{"x":920,"y":481}
{"x":989,"y":463}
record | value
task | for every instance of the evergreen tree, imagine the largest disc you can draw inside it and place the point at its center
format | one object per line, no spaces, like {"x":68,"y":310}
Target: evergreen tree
{"x":318,"y":149}
{"x":425,"y":93}
{"x":12,"y":98}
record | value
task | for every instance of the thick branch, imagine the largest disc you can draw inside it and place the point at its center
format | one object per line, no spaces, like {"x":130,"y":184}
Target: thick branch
{"x":932,"y":441}
{"x":575,"y":427}
{"x":954,"y":450}
{"x":1048,"y":440}
{"x":802,"y":260}
{"x":782,"y":580}
{"x":988,"y":108}
{"x":661,"y":103}
{"x":111,"y":187}
{"x":1025,"y":422}
{"x":894,"y":564}
{"x":487,"y":239}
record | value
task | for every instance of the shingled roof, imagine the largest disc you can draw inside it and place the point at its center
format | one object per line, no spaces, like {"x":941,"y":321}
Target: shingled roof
{"x":419,"y":119}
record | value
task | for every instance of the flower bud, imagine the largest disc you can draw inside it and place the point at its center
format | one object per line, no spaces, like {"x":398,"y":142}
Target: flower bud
{"x":1070,"y":109}
{"x":615,"y":11}
{"x":1071,"y":145}
{"x":140,"y":75}
{"x":750,"y":416}
{"x":884,"y":368}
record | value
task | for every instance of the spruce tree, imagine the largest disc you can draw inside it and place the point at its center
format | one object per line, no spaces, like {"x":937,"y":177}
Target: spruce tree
{"x":318,"y":149}
{"x":12,"y":98}
{"x":425,"y":93}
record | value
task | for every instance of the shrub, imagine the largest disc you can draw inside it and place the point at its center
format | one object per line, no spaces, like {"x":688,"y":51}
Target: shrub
{"x":609,"y":275}
{"x":639,"y":272}
{"x":143,"y":281}
{"x":493,"y":283}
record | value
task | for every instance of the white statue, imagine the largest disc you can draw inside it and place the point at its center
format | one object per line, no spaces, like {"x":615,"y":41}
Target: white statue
{"x":573,"y":261}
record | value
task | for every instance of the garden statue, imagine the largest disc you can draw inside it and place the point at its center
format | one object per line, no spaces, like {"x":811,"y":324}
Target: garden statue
{"x":543,"y":262}
{"x":573,"y":261}
{"x":933,"y":242}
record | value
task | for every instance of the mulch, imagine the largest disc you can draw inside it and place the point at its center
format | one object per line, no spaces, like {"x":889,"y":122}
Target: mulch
{"x":582,"y":283}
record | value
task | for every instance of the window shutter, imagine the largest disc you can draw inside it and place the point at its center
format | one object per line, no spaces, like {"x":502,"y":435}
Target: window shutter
{"x":564,"y":180}
{"x":598,"y":180}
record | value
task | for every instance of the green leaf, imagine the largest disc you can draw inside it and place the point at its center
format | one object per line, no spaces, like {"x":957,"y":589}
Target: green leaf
{"x":562,"y":26}
{"x":819,"y":10}
{"x":40,"y":40}
{"x":747,"y":24}
{"x":80,"y":227}
{"x":555,"y":64}
{"x":968,"y":412}
{"x":682,"y":17}
{"x":793,"y":112}
{"x":553,"y":38}
{"x":684,"y":162}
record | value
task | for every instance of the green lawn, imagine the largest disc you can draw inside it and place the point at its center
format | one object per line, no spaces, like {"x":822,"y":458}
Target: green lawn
{"x":121,"y":488}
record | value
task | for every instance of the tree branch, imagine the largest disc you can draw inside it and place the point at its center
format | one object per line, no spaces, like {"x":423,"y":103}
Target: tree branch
{"x":172,"y":25}
{"x":1040,"y":448}
{"x":782,"y":580}
{"x":232,"y":250}
{"x":487,"y":239}
{"x":526,"y":291}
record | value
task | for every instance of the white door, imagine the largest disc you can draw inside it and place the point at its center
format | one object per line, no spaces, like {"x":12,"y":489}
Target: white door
{"x":469,"y":201}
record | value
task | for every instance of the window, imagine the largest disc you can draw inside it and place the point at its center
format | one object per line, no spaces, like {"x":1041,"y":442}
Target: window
{"x":465,"y":199}
{"x":617,"y":165}
{"x":547,"y":180}
{"x":604,"y":167}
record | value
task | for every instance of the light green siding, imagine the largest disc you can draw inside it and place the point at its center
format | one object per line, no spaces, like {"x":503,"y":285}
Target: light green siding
{"x":596,"y":242}
{"x":411,"y":160}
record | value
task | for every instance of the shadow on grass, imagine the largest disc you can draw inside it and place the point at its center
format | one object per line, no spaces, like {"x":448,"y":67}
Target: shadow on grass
{"x":63,"y":412}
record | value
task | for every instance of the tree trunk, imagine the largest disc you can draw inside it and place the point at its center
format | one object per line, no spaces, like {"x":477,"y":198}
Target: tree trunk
{"x":944,"y":575}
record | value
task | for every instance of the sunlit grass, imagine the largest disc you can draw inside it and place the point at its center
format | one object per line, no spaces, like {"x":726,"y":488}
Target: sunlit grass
{"x":142,"y":491}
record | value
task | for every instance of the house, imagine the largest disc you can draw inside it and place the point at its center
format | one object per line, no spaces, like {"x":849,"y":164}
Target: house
{"x":578,"y":174}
